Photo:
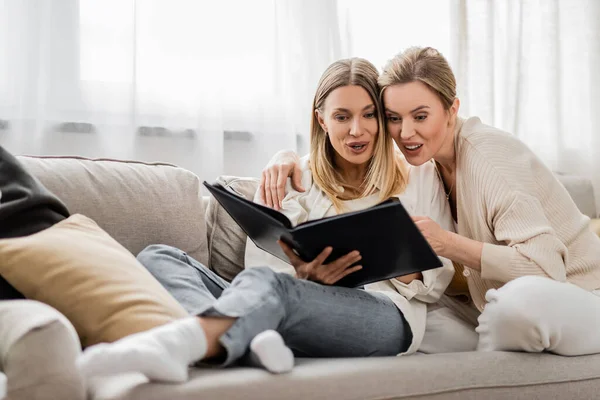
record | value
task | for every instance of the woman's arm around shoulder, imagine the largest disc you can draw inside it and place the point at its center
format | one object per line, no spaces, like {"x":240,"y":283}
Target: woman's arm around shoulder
{"x":284,"y":164}
{"x":293,"y":204}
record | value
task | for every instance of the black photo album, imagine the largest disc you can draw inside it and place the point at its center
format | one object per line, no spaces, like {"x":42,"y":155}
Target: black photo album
{"x":388,"y":240}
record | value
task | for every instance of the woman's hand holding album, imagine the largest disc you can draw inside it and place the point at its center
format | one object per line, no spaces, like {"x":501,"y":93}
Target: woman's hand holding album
{"x":436,"y":236}
{"x":316,"y":271}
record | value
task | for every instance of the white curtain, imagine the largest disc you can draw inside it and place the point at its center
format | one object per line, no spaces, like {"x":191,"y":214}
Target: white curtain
{"x":213,"y":86}
{"x":532,"y":68}
{"x":219,"y":86}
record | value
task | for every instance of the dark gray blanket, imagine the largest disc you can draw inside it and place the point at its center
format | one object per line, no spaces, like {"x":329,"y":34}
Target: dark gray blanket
{"x":26,"y":207}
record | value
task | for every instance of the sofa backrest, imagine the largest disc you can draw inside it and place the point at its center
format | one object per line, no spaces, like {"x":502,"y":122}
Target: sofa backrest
{"x":136,"y":203}
{"x":141,"y":204}
{"x":581,"y":190}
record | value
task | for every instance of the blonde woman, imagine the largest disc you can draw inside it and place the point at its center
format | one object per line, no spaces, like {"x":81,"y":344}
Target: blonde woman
{"x":525,"y":255}
{"x":352,"y":165}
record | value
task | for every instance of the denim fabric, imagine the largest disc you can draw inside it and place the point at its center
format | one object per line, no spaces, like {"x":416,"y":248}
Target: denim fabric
{"x":314,"y":320}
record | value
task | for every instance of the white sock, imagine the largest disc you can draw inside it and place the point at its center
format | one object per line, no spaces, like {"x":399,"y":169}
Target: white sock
{"x":269,"y":349}
{"x":162,"y":354}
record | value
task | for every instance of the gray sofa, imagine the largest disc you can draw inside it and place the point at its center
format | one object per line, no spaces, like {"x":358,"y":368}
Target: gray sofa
{"x":134,"y":203}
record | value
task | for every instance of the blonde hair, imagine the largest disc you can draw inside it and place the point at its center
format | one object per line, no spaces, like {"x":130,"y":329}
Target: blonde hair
{"x":424,"y":64}
{"x":386,"y":170}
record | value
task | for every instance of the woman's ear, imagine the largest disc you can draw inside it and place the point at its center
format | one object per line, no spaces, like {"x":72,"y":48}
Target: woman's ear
{"x":321,"y":120}
{"x":453,"y":110}
{"x":455,"y":107}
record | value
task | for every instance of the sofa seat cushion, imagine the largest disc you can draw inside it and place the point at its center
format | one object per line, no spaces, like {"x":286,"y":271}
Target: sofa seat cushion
{"x":137,"y":203}
{"x":471,"y":375}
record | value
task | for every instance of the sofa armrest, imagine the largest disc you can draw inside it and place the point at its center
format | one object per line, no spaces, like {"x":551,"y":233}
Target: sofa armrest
{"x":38,"y":350}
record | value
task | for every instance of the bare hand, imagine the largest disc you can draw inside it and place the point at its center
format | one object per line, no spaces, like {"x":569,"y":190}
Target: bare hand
{"x":317,"y":271}
{"x":274,"y":177}
{"x":436,"y":236}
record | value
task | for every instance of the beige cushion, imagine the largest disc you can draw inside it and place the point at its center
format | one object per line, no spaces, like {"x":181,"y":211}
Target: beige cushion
{"x":38,"y":349}
{"x":459,"y":376}
{"x":226,"y":240}
{"x":77,"y":268}
{"x":136,"y":203}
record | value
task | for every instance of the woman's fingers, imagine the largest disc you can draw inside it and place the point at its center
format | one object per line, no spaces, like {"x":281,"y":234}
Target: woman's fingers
{"x":320,"y":259}
{"x":345,"y":261}
{"x":330,"y":272}
{"x":268,"y":182}
{"x":273,"y":181}
{"x":317,"y":271}
{"x":262,"y":187}
{"x":297,"y":178}
{"x":289,"y":252}
{"x":345,"y":273}
{"x":278,"y":192}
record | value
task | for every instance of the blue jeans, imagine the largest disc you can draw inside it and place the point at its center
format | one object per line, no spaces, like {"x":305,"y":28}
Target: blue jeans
{"x":314,"y":320}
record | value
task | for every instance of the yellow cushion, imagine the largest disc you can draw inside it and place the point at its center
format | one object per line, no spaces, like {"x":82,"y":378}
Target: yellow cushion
{"x":77,"y":268}
{"x":595,"y":226}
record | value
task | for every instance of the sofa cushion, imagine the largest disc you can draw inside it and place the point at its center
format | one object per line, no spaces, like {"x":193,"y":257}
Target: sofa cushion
{"x":136,"y":203}
{"x":226,"y":240}
{"x":77,"y":268}
{"x":464,"y":376}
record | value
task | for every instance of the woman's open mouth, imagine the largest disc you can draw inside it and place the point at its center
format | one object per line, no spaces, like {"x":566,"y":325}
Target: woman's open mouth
{"x":358,"y":147}
{"x":412,"y":148}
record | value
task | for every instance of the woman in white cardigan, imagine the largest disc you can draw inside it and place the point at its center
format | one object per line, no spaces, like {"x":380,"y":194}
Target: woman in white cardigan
{"x":525,"y":256}
{"x":353,"y":165}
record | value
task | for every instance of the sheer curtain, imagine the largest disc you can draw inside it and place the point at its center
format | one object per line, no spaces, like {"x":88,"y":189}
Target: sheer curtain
{"x":532,"y":67}
{"x":216,"y":87}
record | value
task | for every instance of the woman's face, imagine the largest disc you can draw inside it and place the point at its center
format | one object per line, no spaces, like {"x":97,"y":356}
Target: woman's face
{"x":349,"y":117}
{"x":417,"y":120}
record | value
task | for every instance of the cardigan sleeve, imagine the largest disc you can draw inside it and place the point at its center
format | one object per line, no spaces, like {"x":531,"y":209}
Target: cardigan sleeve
{"x":512,"y":183}
{"x":531,"y":244}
